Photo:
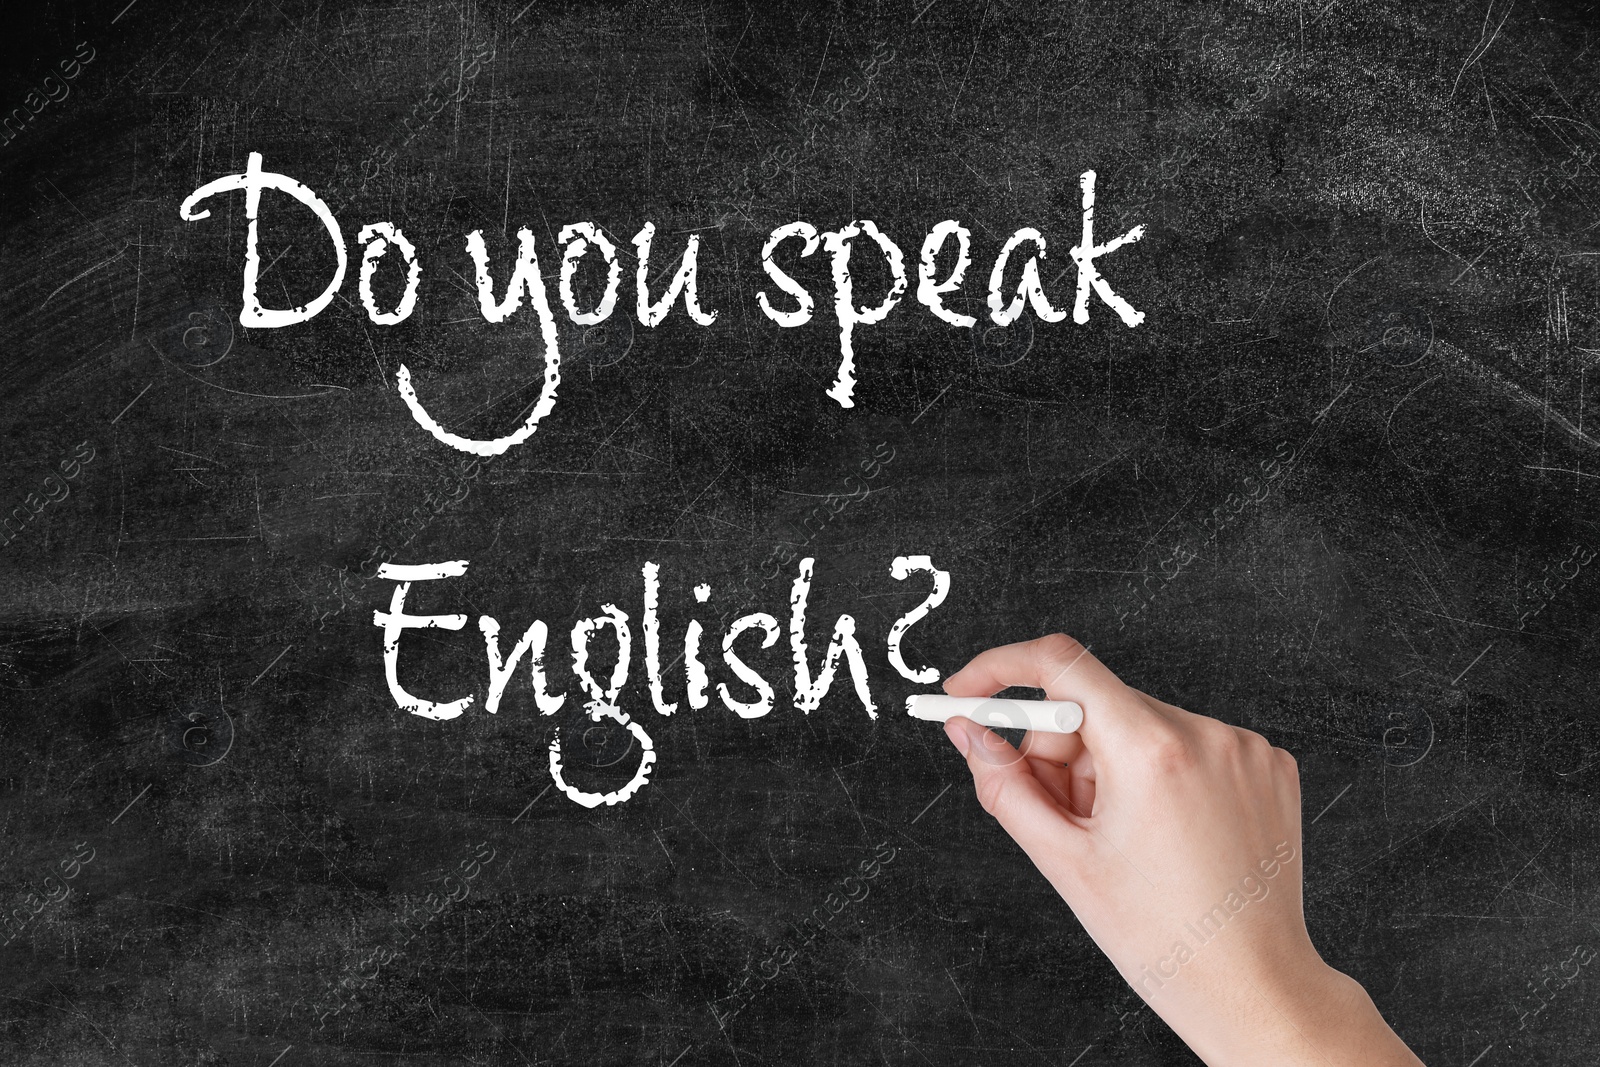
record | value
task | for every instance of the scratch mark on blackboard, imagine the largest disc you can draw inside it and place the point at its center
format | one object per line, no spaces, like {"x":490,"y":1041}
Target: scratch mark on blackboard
{"x":1441,"y":820}
{"x":932,"y":402}
{"x":1014,"y":516}
{"x":131,"y":803}
{"x":1332,"y":402}
{"x":1388,"y":425}
{"x":132,"y":402}
{"x":1520,"y":872}
{"x":275,"y":258}
{"x":191,"y":455}
{"x":971,"y":1018}
{"x":1327,"y":308}
{"x":822,"y":63}
{"x":531,"y":803}
{"x":712,"y":842}
{"x":1562,"y":470}
{"x":1474,"y":662}
{"x":326,"y":389}
{"x":1485,"y":42}
{"x":854,"y":808}
{"x":75,"y":1010}
{"x":1331,"y":803}
{"x":271,"y":665}
{"x":84,"y":274}
{"x":1469,"y":266}
{"x":976,"y":37}
{"x":891,"y":1023}
{"x":1520,"y":395}
{"x":931,"y":803}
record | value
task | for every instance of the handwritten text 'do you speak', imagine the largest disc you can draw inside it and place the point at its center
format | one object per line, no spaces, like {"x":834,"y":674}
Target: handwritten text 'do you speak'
{"x":1007,"y":302}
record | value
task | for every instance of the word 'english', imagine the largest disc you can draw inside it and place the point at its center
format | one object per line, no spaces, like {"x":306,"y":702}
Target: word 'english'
{"x":860,"y":238}
{"x":603,"y":703}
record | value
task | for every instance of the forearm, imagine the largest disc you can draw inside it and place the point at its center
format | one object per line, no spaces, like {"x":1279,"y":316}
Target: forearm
{"x":1321,"y":1019}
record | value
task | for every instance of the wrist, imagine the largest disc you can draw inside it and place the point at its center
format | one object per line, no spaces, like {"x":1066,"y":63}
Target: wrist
{"x":1310,"y":1016}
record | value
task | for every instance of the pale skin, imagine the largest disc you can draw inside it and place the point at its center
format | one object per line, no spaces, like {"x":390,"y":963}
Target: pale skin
{"x":1146,"y":820}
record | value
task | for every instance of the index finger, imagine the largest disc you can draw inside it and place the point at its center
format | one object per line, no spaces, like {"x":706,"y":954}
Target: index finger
{"x":1065,"y":670}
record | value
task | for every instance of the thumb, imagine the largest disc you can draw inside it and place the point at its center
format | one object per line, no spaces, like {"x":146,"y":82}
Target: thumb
{"x":1019,"y":802}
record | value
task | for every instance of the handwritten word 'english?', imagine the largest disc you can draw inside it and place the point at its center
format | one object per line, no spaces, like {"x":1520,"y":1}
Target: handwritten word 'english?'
{"x":579,"y":238}
{"x":603,"y":702}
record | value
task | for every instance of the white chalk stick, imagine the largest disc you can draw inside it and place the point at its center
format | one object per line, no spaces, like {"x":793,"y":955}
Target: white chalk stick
{"x":1050,"y":716}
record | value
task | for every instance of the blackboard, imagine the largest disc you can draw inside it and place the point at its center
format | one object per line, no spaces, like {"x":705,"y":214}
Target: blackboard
{"x":1336,"y":486}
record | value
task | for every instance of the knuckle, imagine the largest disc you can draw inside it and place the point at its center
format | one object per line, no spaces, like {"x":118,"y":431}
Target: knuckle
{"x":1057,"y":653}
{"x":1172,"y":753}
{"x":1253,"y":742}
{"x":1057,"y":647}
{"x":1217,"y":736}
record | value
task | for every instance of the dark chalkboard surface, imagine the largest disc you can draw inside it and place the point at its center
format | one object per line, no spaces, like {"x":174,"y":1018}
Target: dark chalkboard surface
{"x":1338,"y":487}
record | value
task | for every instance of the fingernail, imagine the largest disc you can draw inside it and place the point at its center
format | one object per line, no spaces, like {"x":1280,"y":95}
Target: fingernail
{"x":957,"y":733}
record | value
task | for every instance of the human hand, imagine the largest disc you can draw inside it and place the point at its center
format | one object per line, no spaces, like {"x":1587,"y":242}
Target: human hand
{"x":1175,"y":839}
